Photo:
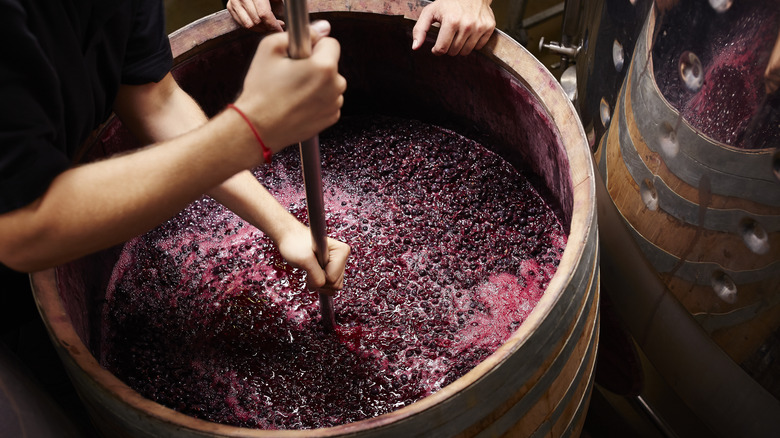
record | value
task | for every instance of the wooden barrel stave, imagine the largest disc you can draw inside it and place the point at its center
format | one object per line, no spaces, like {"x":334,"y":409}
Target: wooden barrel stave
{"x":533,"y":391}
{"x":734,"y":172}
{"x":555,"y":402}
{"x":712,"y":250}
{"x":691,"y":281}
{"x":628,"y":160}
{"x":697,"y":250}
{"x":682,"y":200}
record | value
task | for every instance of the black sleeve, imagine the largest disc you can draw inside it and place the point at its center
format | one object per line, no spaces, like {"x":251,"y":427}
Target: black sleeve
{"x":29,"y":159}
{"x":148,"y":57}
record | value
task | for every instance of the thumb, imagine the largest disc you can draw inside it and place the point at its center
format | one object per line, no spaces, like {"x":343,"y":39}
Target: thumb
{"x":275,"y":44}
{"x":315,"y":277}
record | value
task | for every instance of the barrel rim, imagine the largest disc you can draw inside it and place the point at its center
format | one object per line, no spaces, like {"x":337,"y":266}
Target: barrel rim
{"x":645,"y":43}
{"x":507,"y":53}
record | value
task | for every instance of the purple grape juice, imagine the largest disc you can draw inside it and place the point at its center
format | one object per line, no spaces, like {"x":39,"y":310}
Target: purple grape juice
{"x":731,"y":106}
{"x":451,"y":250}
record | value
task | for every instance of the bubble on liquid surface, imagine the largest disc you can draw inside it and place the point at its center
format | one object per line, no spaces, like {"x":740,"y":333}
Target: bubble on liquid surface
{"x":451,"y":250}
{"x":723,"y":99}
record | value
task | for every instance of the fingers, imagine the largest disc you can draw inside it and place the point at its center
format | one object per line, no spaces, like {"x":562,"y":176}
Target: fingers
{"x":446,"y":41}
{"x":464,"y":43}
{"x":483,"y":39}
{"x":318,"y":30}
{"x":306,"y":95}
{"x":315,"y":278}
{"x":421,"y":28}
{"x":447,"y":32}
{"x":772,"y":73}
{"x":254,"y":14}
{"x":325,"y":54}
{"x":275,"y":25}
{"x":275,"y":45}
{"x":455,"y":41}
{"x":334,"y":270}
{"x":331,"y":279}
{"x":464,"y":26}
{"x":243,"y":13}
{"x":772,"y":82}
{"x":325,"y":51}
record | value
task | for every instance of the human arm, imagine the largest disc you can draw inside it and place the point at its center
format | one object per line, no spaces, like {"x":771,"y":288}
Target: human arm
{"x":256,"y":14}
{"x":160,"y":111}
{"x":772,"y":73}
{"x":664,"y":5}
{"x":466,"y":25}
{"x":245,"y":196}
{"x":96,"y":205}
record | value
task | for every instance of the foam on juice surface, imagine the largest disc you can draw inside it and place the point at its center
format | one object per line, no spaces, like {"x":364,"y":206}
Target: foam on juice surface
{"x":734,"y":48}
{"x":451,"y":250}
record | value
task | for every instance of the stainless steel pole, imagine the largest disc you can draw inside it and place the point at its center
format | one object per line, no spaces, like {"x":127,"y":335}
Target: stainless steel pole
{"x":300,"y":47}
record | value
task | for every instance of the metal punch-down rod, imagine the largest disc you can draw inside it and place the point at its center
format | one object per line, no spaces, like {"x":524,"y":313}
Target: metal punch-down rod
{"x":300,"y":48}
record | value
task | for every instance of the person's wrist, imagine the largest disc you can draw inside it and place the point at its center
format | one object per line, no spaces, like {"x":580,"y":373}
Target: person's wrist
{"x":267,"y":154}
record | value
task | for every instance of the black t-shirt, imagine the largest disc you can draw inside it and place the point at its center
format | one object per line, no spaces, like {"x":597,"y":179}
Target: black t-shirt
{"x":61,"y":64}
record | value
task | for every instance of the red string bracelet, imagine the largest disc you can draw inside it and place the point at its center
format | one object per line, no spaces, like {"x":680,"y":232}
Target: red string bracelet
{"x":267,"y":154}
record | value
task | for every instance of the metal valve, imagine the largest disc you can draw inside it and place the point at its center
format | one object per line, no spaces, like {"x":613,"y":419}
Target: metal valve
{"x":569,"y":51}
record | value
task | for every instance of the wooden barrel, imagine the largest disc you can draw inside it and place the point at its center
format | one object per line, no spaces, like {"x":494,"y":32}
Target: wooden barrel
{"x":706,"y":215}
{"x":536,"y":384}
{"x":689,"y":385}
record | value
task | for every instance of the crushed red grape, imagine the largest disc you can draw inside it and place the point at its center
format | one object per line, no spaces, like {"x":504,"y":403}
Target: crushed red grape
{"x":451,"y":250}
{"x":731,"y":106}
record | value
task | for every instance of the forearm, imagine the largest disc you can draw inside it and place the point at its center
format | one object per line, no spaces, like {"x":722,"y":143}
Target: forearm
{"x":246,"y":197}
{"x":172,"y":112}
{"x":100,"y":204}
{"x":104,"y":203}
{"x":158,"y":111}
